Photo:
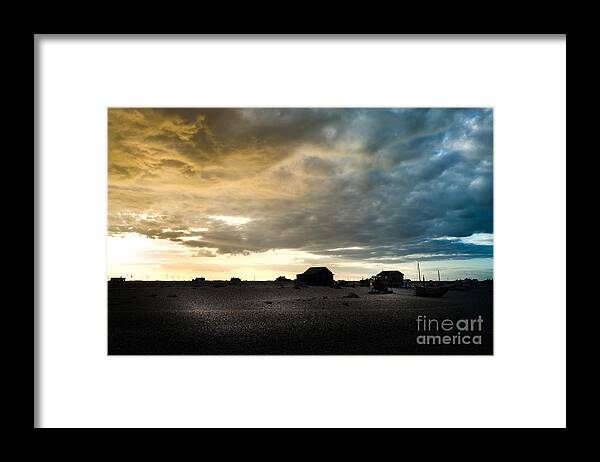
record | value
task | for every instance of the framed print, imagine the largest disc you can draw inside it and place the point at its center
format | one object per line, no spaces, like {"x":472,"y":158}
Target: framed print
{"x":299,"y":231}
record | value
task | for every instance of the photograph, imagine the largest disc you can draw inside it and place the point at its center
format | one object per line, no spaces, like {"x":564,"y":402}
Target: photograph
{"x":300,"y":231}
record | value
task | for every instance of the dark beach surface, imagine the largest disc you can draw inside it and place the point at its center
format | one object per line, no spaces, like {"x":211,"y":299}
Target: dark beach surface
{"x":250,"y":318}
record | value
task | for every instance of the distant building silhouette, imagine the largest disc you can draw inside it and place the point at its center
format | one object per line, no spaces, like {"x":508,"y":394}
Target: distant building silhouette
{"x":282,"y":279}
{"x":198,"y":280}
{"x":116,"y":282}
{"x":235,"y":280}
{"x":316,"y":276}
{"x":392,"y":278}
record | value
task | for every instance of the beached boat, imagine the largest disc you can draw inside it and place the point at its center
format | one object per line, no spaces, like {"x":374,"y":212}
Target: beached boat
{"x":430,"y":291}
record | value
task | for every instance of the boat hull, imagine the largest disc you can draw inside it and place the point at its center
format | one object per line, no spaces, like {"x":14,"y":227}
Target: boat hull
{"x":430,"y":291}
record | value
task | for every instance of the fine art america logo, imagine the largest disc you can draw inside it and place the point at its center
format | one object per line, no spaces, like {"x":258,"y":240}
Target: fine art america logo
{"x":432,"y":331}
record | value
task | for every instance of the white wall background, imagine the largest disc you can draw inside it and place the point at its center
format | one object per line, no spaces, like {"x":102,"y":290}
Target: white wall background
{"x":523,"y":384}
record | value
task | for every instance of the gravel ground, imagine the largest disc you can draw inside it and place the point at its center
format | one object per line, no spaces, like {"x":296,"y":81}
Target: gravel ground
{"x":271,"y":318}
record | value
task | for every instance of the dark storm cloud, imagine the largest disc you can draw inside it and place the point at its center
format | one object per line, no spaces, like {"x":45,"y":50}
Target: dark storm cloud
{"x":391,"y":182}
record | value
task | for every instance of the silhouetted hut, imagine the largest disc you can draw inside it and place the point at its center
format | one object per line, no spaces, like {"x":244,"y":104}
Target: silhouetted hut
{"x":198,"y":280}
{"x":392,"y":278}
{"x":282,"y":279}
{"x":235,"y":280}
{"x":316,"y":276}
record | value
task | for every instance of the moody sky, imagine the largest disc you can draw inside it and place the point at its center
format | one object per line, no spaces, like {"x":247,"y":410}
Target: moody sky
{"x":268,"y":192}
